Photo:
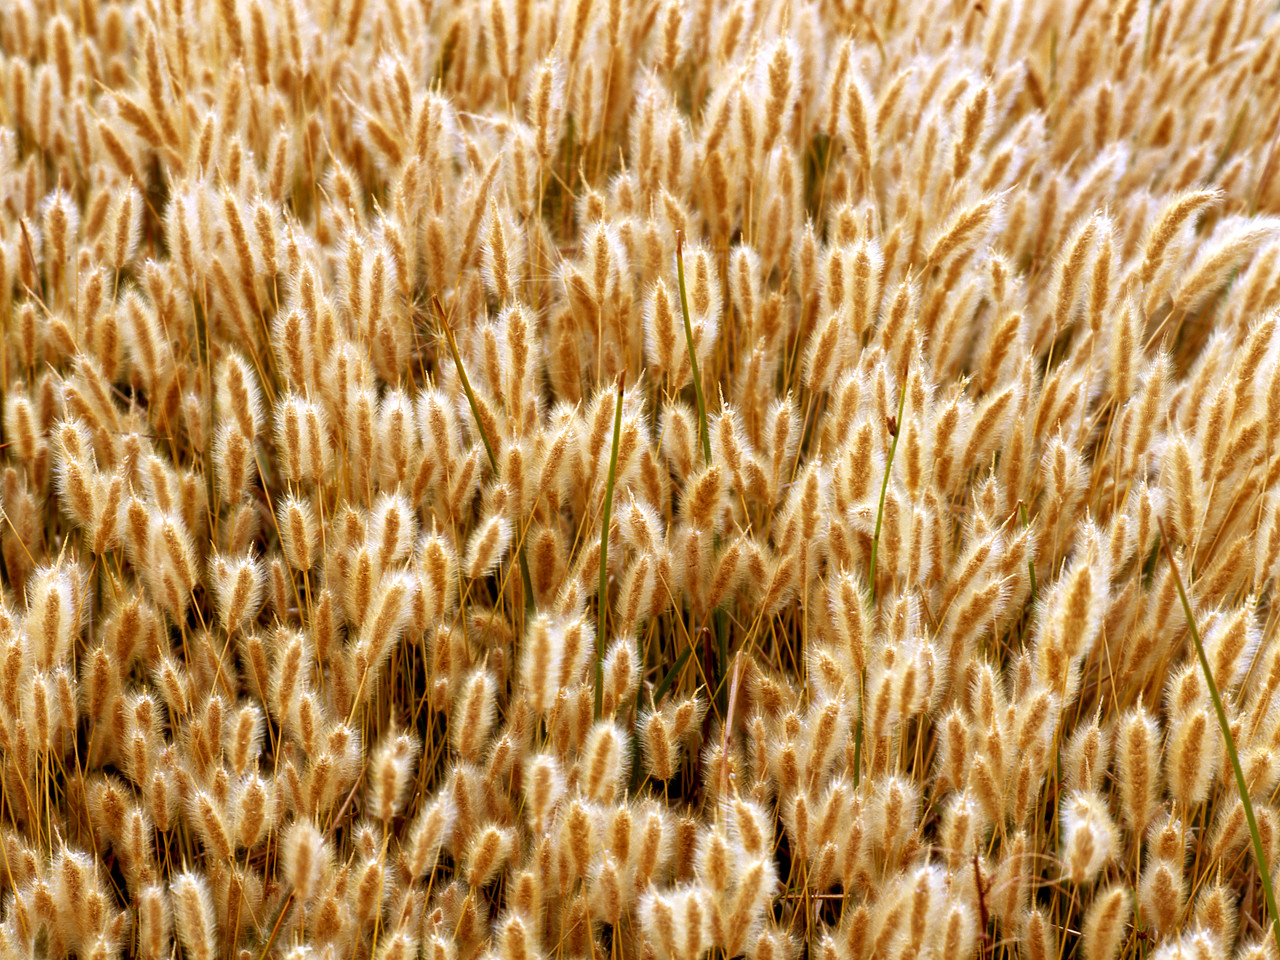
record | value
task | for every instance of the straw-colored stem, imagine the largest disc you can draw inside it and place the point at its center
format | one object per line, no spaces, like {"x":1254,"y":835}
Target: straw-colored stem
{"x":604,"y":546}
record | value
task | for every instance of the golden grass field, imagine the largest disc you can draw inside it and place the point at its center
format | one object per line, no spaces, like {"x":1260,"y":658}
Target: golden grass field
{"x":639,"y":479}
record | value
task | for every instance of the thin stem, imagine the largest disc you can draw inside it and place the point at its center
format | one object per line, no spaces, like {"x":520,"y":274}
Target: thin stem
{"x":858,"y":733}
{"x":1259,"y":853}
{"x":871,"y":574}
{"x":1031,"y":563}
{"x":525,"y":581}
{"x":604,"y":546}
{"x":466,"y":383}
{"x":703,"y":433}
{"x":665,"y":683}
{"x":884,"y":489}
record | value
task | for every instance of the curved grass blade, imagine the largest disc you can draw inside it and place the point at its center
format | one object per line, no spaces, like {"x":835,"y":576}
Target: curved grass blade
{"x":525,"y":581}
{"x":703,"y":433}
{"x":1259,"y":852}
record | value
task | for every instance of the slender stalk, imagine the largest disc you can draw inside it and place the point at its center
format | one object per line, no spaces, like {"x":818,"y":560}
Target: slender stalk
{"x":720,"y":618}
{"x":604,"y":546}
{"x":884,"y":490}
{"x":1031,"y":563}
{"x":525,"y":581}
{"x":665,"y":683}
{"x":703,"y":434}
{"x":858,"y":735}
{"x":871,"y":574}
{"x":466,"y":382}
{"x":275,"y":929}
{"x":1259,"y":852}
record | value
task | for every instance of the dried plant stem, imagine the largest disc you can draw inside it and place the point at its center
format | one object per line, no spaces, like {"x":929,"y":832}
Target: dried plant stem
{"x":603,"y":598}
{"x":896,"y":429}
{"x":275,"y":928}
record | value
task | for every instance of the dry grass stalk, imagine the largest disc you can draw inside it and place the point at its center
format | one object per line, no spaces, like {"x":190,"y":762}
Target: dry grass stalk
{"x":849,"y":627}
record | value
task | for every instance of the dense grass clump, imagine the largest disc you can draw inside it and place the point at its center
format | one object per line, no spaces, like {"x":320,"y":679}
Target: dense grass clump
{"x":647,"y":479}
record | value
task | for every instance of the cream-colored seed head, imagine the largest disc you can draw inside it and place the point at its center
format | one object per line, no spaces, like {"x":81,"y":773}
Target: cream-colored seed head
{"x":1090,"y":837}
{"x":940,"y":347}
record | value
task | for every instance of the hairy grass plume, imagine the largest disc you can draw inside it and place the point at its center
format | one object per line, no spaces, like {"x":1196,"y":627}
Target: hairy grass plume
{"x":916,"y":597}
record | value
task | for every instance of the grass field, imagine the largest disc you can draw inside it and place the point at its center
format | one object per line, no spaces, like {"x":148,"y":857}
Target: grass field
{"x":639,"y":479}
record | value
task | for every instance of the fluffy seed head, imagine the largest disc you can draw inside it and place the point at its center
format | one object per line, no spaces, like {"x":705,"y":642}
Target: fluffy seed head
{"x":1090,"y":838}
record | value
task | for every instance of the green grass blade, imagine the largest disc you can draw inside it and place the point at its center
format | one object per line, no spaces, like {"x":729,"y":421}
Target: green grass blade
{"x":525,"y":581}
{"x":703,"y":434}
{"x":1259,"y":853}
{"x":660,"y":690}
{"x":857,"y":752}
{"x":466,"y":382}
{"x":720,"y":620}
{"x":871,"y":574}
